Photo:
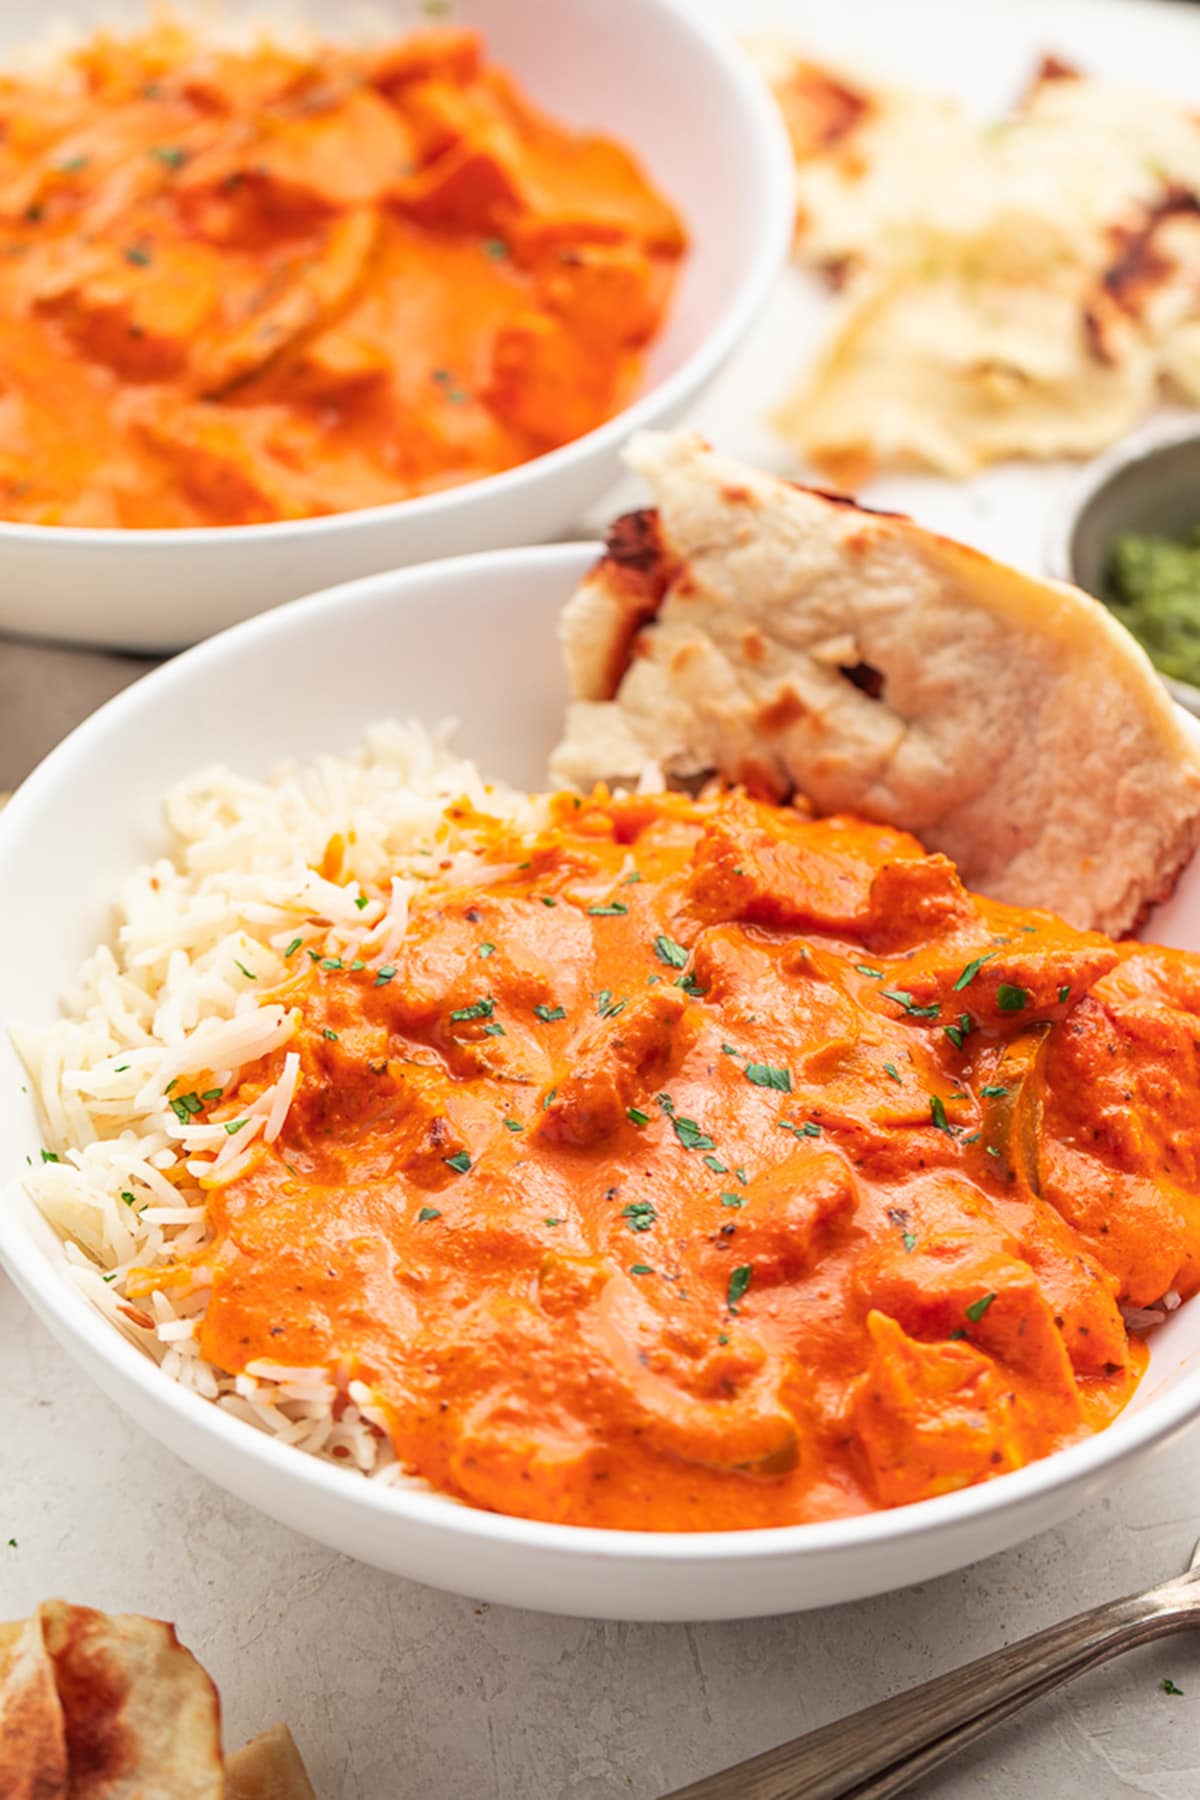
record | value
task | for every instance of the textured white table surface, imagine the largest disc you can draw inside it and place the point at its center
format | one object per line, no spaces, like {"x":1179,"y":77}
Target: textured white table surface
{"x":395,"y":1692}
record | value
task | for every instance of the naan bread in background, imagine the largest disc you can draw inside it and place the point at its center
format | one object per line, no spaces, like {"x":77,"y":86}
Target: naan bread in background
{"x":101,"y":1706}
{"x":1027,"y":288}
{"x":787,"y":639}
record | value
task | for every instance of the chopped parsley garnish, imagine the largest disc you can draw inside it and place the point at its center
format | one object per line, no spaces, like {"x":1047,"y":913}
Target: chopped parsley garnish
{"x":495,"y":1029}
{"x":248,"y":973}
{"x":668,"y":951}
{"x":1011,"y":999}
{"x":550,"y":1015}
{"x":971,"y":971}
{"x":495,"y":247}
{"x":992,"y":1149}
{"x":357,"y":964}
{"x":890,"y":1069}
{"x":691,"y":1135}
{"x":513,"y":1125}
{"x":959,"y":1030}
{"x":937,"y":1113}
{"x":732,"y":1200}
{"x":741,"y":1175}
{"x":903,"y":998}
{"x":764,"y":1076}
{"x":235,"y":1125}
{"x":139,"y":256}
{"x":609,"y":911}
{"x":486,"y":950}
{"x":739,"y":1281}
{"x":871,"y":974}
{"x":331,"y":962}
{"x":170,"y":155}
{"x":1166,"y":1684}
{"x":328,"y":1032}
{"x":185,"y":1106}
{"x":292,"y":947}
{"x":549,"y":1097}
{"x":716,"y":1165}
{"x":384,"y":975}
{"x":636,"y":1116}
{"x":690,"y":983}
{"x":606,"y":1006}
{"x":1064,"y":993}
{"x":910,"y":1242}
{"x":729,"y":1050}
{"x":978,"y":1307}
{"x":315,"y":954}
{"x":633,"y":876}
{"x":426,"y":1213}
{"x":119,"y":1070}
{"x":49,"y":1156}
{"x":478,"y":1009}
{"x":547,"y":900}
{"x":127,"y":1197}
{"x":640,"y":1269}
{"x":641,"y":1214}
{"x":173,"y":1083}
{"x":460,"y":1162}
{"x":993,"y":1091}
{"x":362,"y":901}
{"x":552,"y":1221}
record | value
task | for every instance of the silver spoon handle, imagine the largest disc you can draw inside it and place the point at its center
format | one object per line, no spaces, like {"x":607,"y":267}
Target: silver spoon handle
{"x":881,"y":1750}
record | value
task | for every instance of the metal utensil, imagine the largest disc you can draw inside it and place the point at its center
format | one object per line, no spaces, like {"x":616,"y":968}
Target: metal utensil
{"x":885,"y":1748}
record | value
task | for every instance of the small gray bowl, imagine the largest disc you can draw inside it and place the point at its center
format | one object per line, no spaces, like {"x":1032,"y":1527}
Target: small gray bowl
{"x":1149,"y":483}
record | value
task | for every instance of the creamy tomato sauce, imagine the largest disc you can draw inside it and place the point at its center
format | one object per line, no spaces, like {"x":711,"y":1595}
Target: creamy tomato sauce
{"x":696,"y":1164}
{"x":239,"y":286}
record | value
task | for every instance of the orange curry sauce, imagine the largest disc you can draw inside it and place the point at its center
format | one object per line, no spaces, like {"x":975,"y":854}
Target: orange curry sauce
{"x":696,"y":1164}
{"x":263,"y":284}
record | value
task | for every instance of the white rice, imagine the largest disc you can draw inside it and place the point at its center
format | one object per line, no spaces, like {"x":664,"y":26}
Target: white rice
{"x":182,"y":991}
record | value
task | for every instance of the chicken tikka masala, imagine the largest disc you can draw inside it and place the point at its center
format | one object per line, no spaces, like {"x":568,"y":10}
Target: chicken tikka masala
{"x":698,"y":1164}
{"x":244,"y":283}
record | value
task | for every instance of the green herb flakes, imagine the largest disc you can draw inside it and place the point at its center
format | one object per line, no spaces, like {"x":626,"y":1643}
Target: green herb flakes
{"x":764,"y":1076}
{"x":127,"y":1197}
{"x":903,"y":998}
{"x":890,"y":1069}
{"x":728,"y":1199}
{"x":668,"y":951}
{"x":978,"y":1307}
{"x":910,"y":1242}
{"x":1166,"y":1684}
{"x":640,"y":1214}
{"x":550,"y":1015}
{"x":513,"y":1125}
{"x":460,"y":1162}
{"x":362,"y":901}
{"x":235,"y":1125}
{"x":331,"y":962}
{"x":478,"y":1009}
{"x":958,"y":1032}
{"x":636,"y":1116}
{"x":690,"y":983}
{"x":640,"y":1269}
{"x":486,"y":950}
{"x":741,"y":1175}
{"x":426,"y":1213}
{"x":1064,"y":993}
{"x":49,"y":1156}
{"x":170,"y":155}
{"x":1011,"y":999}
{"x":739,"y":1281}
{"x":610,"y":911}
{"x":871,"y":974}
{"x":547,"y":900}
{"x":691,"y":1135}
{"x":495,"y":1029}
{"x":971,"y":971}
{"x":186,"y":1106}
{"x":716,"y":1165}
{"x":292,"y":948}
{"x":384,"y":975}
{"x":327,"y":1031}
{"x":993,"y":1091}
{"x":937,"y":1113}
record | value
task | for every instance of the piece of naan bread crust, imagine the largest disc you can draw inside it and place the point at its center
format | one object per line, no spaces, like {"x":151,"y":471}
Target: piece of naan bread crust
{"x":787,"y":638}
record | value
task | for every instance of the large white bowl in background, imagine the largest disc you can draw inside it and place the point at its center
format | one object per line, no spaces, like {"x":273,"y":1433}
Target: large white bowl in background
{"x":472,"y":637}
{"x":645,"y":71}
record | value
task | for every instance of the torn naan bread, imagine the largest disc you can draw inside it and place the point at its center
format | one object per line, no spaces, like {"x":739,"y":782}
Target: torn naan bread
{"x":788,"y":639}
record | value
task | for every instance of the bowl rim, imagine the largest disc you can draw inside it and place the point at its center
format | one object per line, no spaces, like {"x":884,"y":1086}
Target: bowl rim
{"x":1141,"y":446}
{"x":764,"y":132}
{"x":46,"y":1286}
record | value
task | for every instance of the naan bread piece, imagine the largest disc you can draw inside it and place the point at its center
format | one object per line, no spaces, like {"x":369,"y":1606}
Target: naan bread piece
{"x":802,"y":644}
{"x":268,"y":1768}
{"x":33,"y":1745}
{"x":140,"y":1716}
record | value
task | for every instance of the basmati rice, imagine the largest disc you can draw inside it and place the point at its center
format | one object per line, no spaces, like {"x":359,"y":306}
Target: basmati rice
{"x":184,"y":990}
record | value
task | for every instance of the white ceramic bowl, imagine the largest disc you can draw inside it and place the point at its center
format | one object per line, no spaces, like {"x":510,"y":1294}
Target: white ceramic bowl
{"x":707,"y":131}
{"x":473,"y":637}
